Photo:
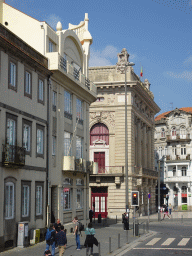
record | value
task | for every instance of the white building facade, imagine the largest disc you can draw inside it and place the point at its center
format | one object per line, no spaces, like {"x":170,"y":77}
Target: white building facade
{"x":174,"y":148}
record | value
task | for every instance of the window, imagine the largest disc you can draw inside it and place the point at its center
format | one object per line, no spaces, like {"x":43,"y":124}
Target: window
{"x":25,"y":201}
{"x":39,"y":200}
{"x":51,"y":46}
{"x":67,"y":196}
{"x":99,"y":132}
{"x":160,"y":152}
{"x":162,"y":133}
{"x":173,"y":131}
{"x":67,"y":144}
{"x":9,"y":200}
{"x":27,"y":137}
{"x":183,"y":149}
{"x":183,"y":171}
{"x":99,"y":99}
{"x":41,"y":91}
{"x":174,"y":171}
{"x":79,"y":147}
{"x":165,"y":151}
{"x":68,"y":105}
{"x":54,"y":101}
{"x":53,"y":145}
{"x":28,"y":82}
{"x":182,"y":132}
{"x":79,"y":202}
{"x":175,"y":150}
{"x":11,"y":131}
{"x":79,"y":110}
{"x":40,"y":140}
{"x":12,"y":75}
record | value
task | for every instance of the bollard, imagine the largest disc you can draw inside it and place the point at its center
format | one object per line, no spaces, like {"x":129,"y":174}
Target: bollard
{"x":127,"y":235}
{"x":116,"y":219}
{"x":109,"y":244}
{"x":118,"y":240}
{"x":182,"y":219}
{"x":99,"y":249}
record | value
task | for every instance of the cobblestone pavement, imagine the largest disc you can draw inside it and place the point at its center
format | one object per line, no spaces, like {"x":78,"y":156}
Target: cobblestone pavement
{"x":103,"y":232}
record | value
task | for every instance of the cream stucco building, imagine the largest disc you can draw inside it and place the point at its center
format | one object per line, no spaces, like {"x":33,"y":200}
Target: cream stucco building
{"x":107,"y":139}
{"x":24,"y":78}
{"x":173,"y":148}
{"x":70,"y":93}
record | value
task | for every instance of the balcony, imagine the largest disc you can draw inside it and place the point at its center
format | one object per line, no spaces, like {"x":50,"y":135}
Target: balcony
{"x":178,"y":137}
{"x":110,"y":170}
{"x":57,"y":62}
{"x":71,"y":164}
{"x":178,"y":157}
{"x":13,"y":156}
{"x":176,"y":179}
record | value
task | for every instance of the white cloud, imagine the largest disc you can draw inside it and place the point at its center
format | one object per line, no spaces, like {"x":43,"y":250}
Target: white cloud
{"x":184,"y":75}
{"x":106,"y":57}
{"x":52,"y":20}
{"x":188,"y":60}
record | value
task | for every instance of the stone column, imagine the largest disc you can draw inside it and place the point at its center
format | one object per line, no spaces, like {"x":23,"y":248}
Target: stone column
{"x":144,"y":151}
{"x":139,"y":162}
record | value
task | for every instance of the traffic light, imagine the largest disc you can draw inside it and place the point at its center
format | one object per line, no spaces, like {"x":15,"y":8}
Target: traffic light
{"x":135,"y":198}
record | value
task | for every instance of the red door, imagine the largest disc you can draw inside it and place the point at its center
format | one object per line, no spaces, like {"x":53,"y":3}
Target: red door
{"x":99,"y":157}
{"x":99,"y":203}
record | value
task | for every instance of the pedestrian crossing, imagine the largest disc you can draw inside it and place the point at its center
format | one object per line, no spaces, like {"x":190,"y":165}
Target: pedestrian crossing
{"x":168,"y":241}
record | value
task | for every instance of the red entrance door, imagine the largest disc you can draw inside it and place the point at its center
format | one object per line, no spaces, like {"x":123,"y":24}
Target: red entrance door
{"x":99,"y":157}
{"x":99,"y":203}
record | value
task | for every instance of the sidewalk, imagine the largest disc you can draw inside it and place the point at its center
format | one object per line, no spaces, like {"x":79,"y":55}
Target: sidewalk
{"x":102,"y":235}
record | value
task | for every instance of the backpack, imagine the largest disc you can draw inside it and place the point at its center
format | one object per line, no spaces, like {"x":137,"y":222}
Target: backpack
{"x":48,"y":235}
{"x":81,"y":226}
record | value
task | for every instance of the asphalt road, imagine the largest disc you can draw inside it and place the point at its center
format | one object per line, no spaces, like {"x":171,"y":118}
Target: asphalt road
{"x":171,"y":238}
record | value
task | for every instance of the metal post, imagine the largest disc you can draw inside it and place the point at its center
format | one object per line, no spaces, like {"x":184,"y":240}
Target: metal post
{"x":99,"y":249}
{"x":148,"y":209}
{"x":109,"y":244}
{"x":134,"y":222}
{"x":127,"y":235}
{"x":159,"y":214}
{"x":116,"y":219}
{"x":118,"y":240}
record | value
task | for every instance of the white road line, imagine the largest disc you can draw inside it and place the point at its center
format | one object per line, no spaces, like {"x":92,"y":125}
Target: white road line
{"x":183,"y":242}
{"x":168,"y":241}
{"x":153,"y":241}
{"x":177,"y":249}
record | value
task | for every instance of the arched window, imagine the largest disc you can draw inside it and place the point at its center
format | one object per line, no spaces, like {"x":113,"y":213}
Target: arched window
{"x":99,"y":132}
{"x":173,"y":131}
{"x":183,"y":171}
{"x":162,"y":133}
{"x":182,"y":132}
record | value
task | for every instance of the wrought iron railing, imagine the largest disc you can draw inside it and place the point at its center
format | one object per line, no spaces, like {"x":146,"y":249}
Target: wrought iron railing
{"x":13,"y":155}
{"x":111,"y":170}
{"x":87,"y":83}
{"x":63,"y":63}
{"x":67,"y":115}
{"x":76,"y":73}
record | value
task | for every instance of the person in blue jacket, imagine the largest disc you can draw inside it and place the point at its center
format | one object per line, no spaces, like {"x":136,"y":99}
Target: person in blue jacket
{"x":90,"y":239}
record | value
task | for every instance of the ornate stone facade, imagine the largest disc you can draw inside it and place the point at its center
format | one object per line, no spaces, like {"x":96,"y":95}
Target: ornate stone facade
{"x":109,"y":109}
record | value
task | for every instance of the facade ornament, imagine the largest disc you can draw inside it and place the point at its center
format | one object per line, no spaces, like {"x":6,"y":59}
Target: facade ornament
{"x":106,"y":115}
{"x":123,"y":59}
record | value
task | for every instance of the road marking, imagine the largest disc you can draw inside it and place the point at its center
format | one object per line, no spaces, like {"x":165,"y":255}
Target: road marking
{"x":178,"y":249}
{"x":153,"y":241}
{"x":183,"y":242}
{"x":168,"y":241}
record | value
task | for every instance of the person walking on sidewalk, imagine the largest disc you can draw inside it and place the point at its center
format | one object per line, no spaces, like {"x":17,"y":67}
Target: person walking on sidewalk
{"x":77,"y":233}
{"x":61,"y":241}
{"x":170,"y":209}
{"x":125,"y":221}
{"x":166,"y":212}
{"x":90,"y":239}
{"x":50,"y":239}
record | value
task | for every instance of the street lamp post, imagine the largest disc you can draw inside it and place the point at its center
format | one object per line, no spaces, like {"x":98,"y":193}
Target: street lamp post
{"x":159,"y":214}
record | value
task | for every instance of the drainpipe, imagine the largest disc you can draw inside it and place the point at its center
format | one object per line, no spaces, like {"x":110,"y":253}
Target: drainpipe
{"x":48,"y":150}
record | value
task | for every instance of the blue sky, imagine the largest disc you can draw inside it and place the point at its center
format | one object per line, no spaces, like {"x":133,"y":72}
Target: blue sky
{"x":156,"y":33}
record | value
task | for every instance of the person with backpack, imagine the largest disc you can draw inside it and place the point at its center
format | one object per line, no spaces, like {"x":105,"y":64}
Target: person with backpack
{"x":50,"y":239}
{"x":90,"y":239}
{"x":77,"y":232}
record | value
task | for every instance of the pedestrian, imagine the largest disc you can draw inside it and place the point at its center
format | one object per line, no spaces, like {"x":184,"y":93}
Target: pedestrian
{"x":90,"y":239}
{"x":50,"y":238}
{"x":61,"y":241}
{"x":166,"y":212}
{"x":77,"y":233}
{"x":58,"y":225}
{"x":125,"y":221}
{"x":90,"y":215}
{"x":170,"y":208}
{"x":48,"y":252}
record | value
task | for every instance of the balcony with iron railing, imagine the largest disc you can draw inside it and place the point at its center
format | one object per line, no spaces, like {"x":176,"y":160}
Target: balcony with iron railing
{"x":178,"y":137}
{"x":57,"y":62}
{"x":13,"y":156}
{"x":110,"y":170}
{"x":178,"y":157}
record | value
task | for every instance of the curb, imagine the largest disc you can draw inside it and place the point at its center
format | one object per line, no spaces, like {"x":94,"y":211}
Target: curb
{"x":128,"y":247}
